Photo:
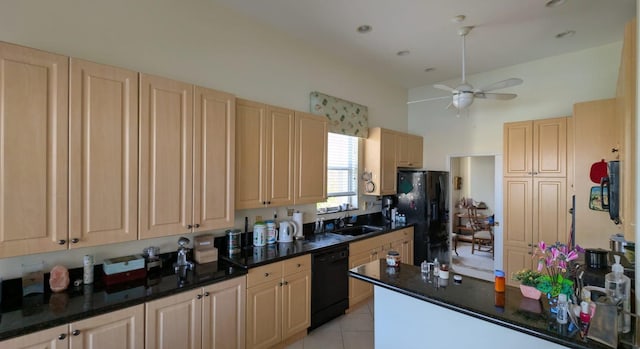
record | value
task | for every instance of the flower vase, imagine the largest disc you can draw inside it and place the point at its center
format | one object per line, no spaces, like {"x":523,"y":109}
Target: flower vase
{"x":530,"y":292}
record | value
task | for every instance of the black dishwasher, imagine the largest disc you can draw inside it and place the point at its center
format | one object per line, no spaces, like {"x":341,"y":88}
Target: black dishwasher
{"x":329,"y":285}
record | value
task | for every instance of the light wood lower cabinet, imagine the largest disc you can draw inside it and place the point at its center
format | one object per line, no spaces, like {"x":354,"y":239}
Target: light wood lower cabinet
{"x":188,"y":319}
{"x":119,"y":329}
{"x":278,"y":301}
{"x":372,"y":249}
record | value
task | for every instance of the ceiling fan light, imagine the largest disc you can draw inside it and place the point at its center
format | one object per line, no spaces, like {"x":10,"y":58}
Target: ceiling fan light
{"x":462,"y":100}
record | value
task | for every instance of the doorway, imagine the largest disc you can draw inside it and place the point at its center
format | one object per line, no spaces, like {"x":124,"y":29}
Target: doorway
{"x":475,"y":180}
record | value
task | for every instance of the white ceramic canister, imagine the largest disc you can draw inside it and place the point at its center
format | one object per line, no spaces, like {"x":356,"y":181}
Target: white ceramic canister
{"x":259,"y":234}
{"x":272,"y":234}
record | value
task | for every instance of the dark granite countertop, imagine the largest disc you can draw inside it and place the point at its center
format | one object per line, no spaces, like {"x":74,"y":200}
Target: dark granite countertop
{"x":251,"y":257}
{"x":476,"y":298}
{"x":23,"y":315}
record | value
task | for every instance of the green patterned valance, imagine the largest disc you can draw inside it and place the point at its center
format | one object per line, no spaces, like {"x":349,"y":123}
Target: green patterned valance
{"x":345,"y":117}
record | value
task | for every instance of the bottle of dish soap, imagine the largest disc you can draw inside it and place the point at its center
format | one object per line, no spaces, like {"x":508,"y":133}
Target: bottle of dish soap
{"x":619,"y":287}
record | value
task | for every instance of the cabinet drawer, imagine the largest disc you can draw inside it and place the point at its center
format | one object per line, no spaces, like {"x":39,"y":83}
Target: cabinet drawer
{"x":297,"y":264}
{"x":264,"y":274}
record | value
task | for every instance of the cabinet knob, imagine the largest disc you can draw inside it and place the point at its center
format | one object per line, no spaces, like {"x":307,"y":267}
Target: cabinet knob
{"x":268,"y":202}
{"x":299,"y":265}
{"x":266,"y":275}
{"x":614,"y":150}
{"x":62,"y":242}
{"x":530,"y":245}
{"x":535,"y":173}
{"x":281,"y":283}
{"x":189,"y":226}
{"x":197,"y":225}
{"x":264,"y":202}
{"x":62,"y":336}
{"x":75,"y":332}
{"x":74,"y":240}
{"x":286,"y":282}
{"x":199,"y":296}
{"x":206,"y":294}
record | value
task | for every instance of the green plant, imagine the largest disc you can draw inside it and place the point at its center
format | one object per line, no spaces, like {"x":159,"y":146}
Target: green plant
{"x":527,"y":277}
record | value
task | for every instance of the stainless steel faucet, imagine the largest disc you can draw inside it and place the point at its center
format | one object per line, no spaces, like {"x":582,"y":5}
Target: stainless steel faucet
{"x":182,"y":264}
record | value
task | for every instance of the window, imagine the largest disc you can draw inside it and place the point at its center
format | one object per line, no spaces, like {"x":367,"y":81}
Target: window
{"x":342,"y":173}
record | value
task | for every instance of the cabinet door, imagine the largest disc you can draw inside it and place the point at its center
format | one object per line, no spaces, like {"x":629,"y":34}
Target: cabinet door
{"x":118,"y":329}
{"x":33,"y":151}
{"x":213,"y":165}
{"x":53,"y":338}
{"x":174,"y":322}
{"x":402,"y":149}
{"x":311,"y":159}
{"x":296,"y":303}
{"x":264,"y":315}
{"x":359,"y":290}
{"x":103,"y":163}
{"x":550,"y":210}
{"x":518,"y":220}
{"x":550,"y":147}
{"x":223,"y":317}
{"x":414,"y":145}
{"x":515,"y":259}
{"x":166,"y":146}
{"x":518,"y":149}
{"x":250,"y":154}
{"x":388,"y":162}
{"x":280,"y":152}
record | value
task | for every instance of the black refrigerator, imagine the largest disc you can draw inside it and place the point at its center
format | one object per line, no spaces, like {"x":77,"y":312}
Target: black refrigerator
{"x":423,"y":197}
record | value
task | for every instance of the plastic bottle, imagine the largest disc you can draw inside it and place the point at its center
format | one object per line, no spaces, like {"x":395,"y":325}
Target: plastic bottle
{"x":87,"y":275}
{"x":563,"y":308}
{"x":619,"y":287}
{"x":436,"y":267}
{"x":585,"y":316}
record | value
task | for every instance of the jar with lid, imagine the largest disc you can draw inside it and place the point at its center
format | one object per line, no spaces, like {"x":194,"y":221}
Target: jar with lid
{"x":393,"y":259}
{"x":499,"y":282}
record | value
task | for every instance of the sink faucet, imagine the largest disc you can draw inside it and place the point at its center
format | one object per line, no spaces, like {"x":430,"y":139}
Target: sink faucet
{"x":182,"y":264}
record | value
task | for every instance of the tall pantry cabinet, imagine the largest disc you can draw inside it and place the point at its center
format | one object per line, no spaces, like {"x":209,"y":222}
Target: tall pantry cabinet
{"x":535,"y":187}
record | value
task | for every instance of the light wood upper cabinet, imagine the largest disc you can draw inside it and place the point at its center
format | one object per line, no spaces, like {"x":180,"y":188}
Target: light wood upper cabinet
{"x":264,"y":155}
{"x":33,"y":151}
{"x":103,"y":138}
{"x":415,"y":151}
{"x":174,"y":322}
{"x":380,"y":160}
{"x":186,"y":158}
{"x":310,"y":159}
{"x":536,"y":148}
{"x":119,"y":329}
{"x":402,"y":149}
{"x":52,"y":338}
{"x":213,"y":159}
{"x":166,"y":149}
{"x":626,"y":115}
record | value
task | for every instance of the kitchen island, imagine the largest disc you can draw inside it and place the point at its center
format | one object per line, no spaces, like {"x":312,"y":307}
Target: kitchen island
{"x":415,"y":309}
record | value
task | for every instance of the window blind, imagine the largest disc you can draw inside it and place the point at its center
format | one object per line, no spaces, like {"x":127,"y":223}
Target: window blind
{"x":342,"y":165}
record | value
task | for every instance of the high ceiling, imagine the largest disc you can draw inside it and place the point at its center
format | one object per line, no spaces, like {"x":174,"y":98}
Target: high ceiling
{"x":506,"y":32}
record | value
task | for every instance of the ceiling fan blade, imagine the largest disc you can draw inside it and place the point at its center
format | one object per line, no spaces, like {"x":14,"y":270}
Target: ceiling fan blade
{"x":444,"y":87}
{"x":428,"y":99}
{"x":501,"y":96}
{"x":501,"y":84}
{"x":449,"y":106}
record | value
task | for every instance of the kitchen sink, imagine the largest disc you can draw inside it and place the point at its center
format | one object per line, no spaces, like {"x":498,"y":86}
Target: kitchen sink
{"x":358,"y":230}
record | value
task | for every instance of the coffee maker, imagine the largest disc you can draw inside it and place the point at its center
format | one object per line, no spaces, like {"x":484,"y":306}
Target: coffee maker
{"x":388,"y":204}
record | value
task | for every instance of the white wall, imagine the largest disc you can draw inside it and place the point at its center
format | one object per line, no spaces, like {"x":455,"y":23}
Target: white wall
{"x":199,"y":42}
{"x":551,"y":86}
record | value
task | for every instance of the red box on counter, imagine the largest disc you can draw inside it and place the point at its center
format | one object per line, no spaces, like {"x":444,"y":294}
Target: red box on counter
{"x":126,"y":276}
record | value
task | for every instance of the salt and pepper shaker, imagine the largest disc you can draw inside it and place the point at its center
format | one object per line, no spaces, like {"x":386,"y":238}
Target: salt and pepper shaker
{"x":87,"y":276}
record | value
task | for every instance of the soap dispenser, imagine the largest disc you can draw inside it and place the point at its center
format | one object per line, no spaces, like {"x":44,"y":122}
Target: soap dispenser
{"x":618,"y":286}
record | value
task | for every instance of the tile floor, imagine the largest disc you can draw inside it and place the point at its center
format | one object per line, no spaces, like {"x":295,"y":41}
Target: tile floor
{"x":350,"y":331}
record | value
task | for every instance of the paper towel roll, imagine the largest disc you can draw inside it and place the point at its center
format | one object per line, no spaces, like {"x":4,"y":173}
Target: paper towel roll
{"x":297,"y":218}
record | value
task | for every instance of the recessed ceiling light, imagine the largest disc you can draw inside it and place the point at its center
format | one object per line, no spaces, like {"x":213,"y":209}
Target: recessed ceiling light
{"x":554,"y":3}
{"x":430,"y":69}
{"x":458,"y":19}
{"x":365,"y":28}
{"x":403,"y":53}
{"x":566,"y":34}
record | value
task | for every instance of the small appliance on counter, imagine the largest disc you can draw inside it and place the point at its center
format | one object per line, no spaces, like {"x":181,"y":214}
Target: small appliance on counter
{"x":204,"y":251}
{"x":298,"y":220}
{"x":288,"y":229}
{"x":152,"y":259}
{"x":123,"y":269}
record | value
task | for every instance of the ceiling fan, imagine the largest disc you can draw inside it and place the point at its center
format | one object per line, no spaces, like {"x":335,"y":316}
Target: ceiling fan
{"x":464,"y":94}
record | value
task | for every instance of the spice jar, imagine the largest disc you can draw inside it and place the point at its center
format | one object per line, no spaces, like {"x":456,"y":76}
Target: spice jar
{"x":393,"y":259}
{"x":499,"y":281}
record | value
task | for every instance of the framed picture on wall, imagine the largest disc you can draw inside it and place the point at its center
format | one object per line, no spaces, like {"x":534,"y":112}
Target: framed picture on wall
{"x":457,"y":182}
